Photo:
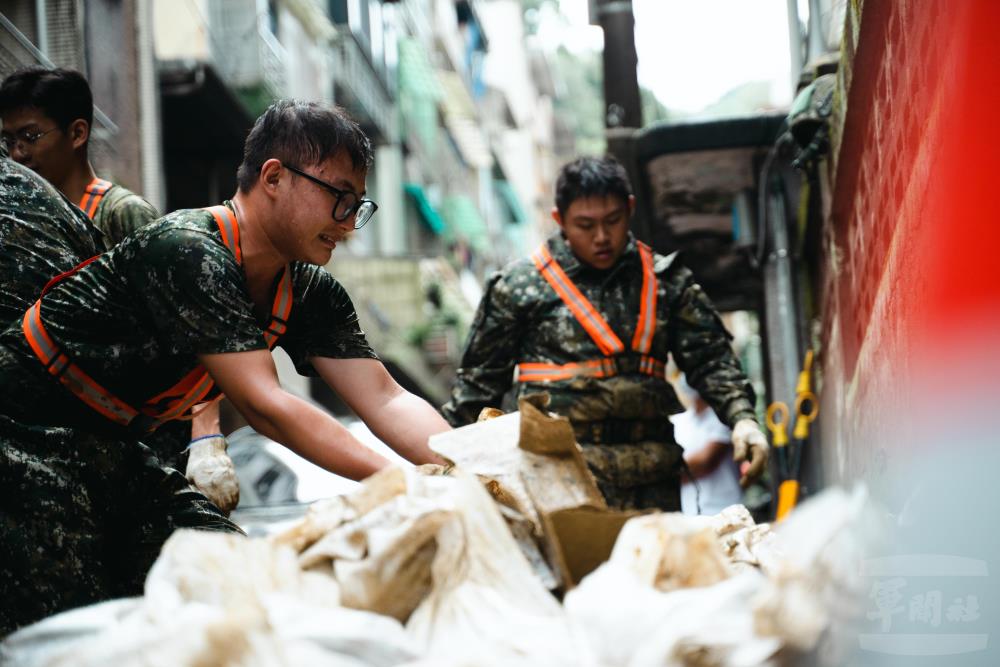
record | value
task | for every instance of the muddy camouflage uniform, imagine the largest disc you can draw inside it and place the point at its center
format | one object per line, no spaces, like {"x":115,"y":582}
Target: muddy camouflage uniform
{"x":84,"y":507}
{"x":622,"y":422}
{"x":67,"y":497}
{"x":120,"y":213}
{"x":41,"y":235}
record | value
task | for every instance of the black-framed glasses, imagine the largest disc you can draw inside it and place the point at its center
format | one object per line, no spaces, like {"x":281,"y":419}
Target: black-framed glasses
{"x":345,"y":203}
{"x":23,"y":137}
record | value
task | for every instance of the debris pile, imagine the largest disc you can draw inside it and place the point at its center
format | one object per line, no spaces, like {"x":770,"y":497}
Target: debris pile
{"x":467,"y":567}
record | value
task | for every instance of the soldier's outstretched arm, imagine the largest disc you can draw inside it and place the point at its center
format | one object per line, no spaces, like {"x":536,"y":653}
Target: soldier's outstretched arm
{"x":250,"y":382}
{"x":487,"y":366}
{"x":701,"y":347}
{"x":400,"y":419}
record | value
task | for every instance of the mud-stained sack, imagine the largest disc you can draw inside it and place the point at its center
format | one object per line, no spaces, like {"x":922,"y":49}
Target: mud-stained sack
{"x":215,"y":599}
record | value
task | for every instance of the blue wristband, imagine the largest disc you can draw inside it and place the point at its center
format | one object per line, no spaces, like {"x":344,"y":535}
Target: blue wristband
{"x":204,"y":437}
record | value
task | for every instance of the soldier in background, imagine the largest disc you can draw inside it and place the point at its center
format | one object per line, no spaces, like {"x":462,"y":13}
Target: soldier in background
{"x":47,"y":119}
{"x":590,"y":319}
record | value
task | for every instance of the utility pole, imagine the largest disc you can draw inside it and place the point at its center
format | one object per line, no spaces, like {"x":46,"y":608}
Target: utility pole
{"x":622,"y":104}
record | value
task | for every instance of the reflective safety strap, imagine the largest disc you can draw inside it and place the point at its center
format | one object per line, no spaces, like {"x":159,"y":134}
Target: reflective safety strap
{"x":179,"y":399}
{"x":650,"y":366}
{"x":578,"y":304}
{"x":542,"y":372}
{"x":69,"y":374}
{"x":229,"y":229}
{"x":194,"y":386}
{"x":93,"y":194}
{"x":642,"y":341}
{"x":597,"y":368}
{"x":281,"y":309}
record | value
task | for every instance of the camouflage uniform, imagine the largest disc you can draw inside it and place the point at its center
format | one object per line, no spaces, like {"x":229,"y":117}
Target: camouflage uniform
{"x":45,"y":513}
{"x":41,"y":235}
{"x":120,"y":213}
{"x":622,"y":421}
{"x":83,"y":506}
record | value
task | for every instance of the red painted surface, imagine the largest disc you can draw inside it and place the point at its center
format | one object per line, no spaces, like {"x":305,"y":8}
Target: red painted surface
{"x":911,"y":246}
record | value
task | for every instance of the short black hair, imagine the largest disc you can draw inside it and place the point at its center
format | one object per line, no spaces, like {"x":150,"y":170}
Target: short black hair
{"x":62,"y":94}
{"x":302,"y":133}
{"x":591,"y":176}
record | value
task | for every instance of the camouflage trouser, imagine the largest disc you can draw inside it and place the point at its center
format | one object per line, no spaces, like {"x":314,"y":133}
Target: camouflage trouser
{"x":638,"y":471}
{"x":82,"y":518}
{"x":169,"y":443}
{"x":640,"y":475}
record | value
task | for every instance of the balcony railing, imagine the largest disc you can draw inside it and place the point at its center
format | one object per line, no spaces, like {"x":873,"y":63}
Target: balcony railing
{"x":243,"y":49}
{"x":363,"y":84}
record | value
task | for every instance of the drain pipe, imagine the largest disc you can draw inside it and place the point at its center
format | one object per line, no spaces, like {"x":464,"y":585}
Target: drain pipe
{"x":149,"y":108}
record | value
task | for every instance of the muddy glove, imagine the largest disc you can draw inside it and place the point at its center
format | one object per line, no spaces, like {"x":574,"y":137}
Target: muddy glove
{"x":211,"y":471}
{"x":749,"y":444}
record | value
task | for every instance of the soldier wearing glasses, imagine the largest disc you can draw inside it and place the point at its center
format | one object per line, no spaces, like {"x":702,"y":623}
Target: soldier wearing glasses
{"x":47,"y":120}
{"x":179,"y":311}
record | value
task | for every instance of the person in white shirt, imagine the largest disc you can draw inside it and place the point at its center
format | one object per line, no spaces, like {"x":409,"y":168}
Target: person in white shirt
{"x":708,"y":455}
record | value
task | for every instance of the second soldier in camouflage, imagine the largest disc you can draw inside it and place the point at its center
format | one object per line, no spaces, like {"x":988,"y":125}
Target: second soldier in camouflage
{"x":618,"y":402}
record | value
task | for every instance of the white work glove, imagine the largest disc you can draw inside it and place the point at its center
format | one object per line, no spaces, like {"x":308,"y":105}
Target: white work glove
{"x":750,"y":444}
{"x":211,"y":471}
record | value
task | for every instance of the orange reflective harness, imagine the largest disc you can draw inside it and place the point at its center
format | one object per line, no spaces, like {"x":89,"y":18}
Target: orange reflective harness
{"x":177,"y":401}
{"x":93,"y":194}
{"x":595,"y":325}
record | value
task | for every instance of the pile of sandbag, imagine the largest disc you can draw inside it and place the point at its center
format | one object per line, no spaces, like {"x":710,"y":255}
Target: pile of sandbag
{"x":680,"y":590}
{"x":422,"y":568}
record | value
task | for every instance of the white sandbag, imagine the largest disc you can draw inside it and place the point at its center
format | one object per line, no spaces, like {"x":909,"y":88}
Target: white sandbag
{"x":797,"y":585}
{"x":818,"y":592}
{"x":42,"y":642}
{"x":392,"y":572}
{"x":437,"y":546}
{"x":485,"y":600}
{"x":669,"y":551}
{"x":219,"y":599}
{"x":279,"y":630}
{"x":528,"y":459}
{"x":667,"y":596}
{"x":746,"y":544}
{"x":627,"y":622}
{"x":378,"y":542}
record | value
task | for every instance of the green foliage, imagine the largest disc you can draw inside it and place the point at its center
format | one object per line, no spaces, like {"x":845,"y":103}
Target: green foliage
{"x":653,"y":110}
{"x":255,"y":98}
{"x":581,"y":100}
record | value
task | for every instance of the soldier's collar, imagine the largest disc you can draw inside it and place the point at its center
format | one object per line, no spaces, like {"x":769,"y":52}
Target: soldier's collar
{"x":571,"y":265}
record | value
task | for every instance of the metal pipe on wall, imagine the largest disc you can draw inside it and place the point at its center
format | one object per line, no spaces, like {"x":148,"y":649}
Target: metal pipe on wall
{"x":149,"y":108}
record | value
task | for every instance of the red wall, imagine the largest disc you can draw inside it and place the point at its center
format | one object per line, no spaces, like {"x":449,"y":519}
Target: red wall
{"x":908,"y":290}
